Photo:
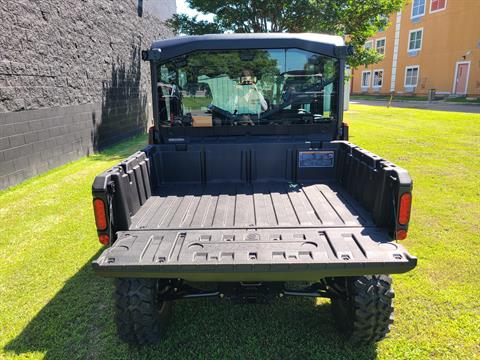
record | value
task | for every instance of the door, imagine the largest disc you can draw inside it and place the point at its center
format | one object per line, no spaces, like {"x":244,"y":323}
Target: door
{"x":461,"y":78}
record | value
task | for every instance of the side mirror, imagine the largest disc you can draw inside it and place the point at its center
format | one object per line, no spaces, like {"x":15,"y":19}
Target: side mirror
{"x":151,"y":55}
{"x":344,"y":51}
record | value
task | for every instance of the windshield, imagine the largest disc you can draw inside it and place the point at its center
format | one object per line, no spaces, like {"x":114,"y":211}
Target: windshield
{"x":247,"y":87}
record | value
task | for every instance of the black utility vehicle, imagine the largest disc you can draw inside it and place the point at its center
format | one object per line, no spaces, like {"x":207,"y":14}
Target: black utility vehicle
{"x":249,"y":189}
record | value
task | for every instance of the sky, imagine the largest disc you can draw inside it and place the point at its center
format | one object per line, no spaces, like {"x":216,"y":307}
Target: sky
{"x":182,"y":8}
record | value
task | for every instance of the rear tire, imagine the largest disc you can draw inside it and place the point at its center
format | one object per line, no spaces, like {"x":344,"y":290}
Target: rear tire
{"x":141,"y":317}
{"x":366,"y":312}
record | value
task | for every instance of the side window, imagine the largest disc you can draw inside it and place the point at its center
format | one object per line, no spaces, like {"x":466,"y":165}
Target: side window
{"x":380,"y":46}
{"x":418,"y":8}
{"x":366,"y":79}
{"x":411,"y":76}
{"x":437,"y":5}
{"x":415,"y":40}
{"x":169,"y":104}
{"x":377,"y":78}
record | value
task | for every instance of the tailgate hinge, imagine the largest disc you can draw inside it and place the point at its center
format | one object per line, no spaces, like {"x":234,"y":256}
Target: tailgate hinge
{"x":111,"y":188}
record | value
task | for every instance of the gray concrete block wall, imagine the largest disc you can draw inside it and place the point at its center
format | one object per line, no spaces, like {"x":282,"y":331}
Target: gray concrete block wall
{"x":71,"y":80}
{"x":35,"y":141}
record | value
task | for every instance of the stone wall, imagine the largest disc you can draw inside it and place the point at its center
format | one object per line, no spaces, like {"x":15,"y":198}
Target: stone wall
{"x":71,"y":80}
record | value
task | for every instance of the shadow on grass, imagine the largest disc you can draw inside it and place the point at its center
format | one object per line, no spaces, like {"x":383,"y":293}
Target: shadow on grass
{"x":78,"y":323}
{"x":122,"y":150}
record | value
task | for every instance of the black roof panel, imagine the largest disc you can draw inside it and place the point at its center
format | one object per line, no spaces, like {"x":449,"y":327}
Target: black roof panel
{"x":329,"y":45}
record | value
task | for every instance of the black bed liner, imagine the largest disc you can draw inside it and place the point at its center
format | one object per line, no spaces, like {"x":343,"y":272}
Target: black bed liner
{"x":252,"y":232}
{"x":259,"y":205}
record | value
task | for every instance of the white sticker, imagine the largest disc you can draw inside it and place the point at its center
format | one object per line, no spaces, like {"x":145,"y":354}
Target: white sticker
{"x":314,"y":159}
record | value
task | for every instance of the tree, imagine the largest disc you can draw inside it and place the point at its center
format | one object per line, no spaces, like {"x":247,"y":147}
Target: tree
{"x":183,"y":24}
{"x":356,"y":20}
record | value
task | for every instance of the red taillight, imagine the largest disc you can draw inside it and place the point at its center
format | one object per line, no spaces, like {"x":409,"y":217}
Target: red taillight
{"x":404,"y":209}
{"x":104,"y":239}
{"x":100,"y":214}
{"x":401,"y":234}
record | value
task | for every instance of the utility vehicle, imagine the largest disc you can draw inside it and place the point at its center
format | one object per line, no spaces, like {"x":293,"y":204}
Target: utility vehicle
{"x":249,"y":189}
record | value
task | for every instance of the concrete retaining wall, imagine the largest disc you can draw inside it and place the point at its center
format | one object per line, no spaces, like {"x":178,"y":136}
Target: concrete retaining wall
{"x":71,"y":80}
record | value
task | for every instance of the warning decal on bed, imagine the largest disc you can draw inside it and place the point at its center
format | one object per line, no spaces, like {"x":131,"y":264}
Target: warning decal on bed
{"x":310,"y":159}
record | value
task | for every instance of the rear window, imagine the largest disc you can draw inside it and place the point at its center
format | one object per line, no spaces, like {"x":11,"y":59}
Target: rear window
{"x":247,"y":87}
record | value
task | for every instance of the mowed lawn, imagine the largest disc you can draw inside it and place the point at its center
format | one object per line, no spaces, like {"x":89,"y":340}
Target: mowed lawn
{"x":52,"y":306}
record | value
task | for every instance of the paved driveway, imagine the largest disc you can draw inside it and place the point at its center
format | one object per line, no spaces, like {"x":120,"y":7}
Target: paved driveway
{"x":434,"y":105}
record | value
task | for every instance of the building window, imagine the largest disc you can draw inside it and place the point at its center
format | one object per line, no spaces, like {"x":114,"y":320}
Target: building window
{"x":415,"y":40}
{"x":368,"y":45}
{"x":384,"y":19}
{"x":380,"y":45}
{"x":411,"y":76}
{"x":366,"y":79}
{"x":438,"y":5}
{"x":377,"y":78}
{"x":418,"y":8}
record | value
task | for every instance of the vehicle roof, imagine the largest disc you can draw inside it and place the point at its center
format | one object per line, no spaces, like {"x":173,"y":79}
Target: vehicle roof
{"x":329,"y":45}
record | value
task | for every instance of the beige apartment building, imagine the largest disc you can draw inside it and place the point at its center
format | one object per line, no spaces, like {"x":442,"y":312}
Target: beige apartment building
{"x":430,"y":44}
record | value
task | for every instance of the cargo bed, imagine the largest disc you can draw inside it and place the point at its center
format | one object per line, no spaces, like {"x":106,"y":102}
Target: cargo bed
{"x":267,"y":231}
{"x":259,"y":205}
{"x":252,"y":210}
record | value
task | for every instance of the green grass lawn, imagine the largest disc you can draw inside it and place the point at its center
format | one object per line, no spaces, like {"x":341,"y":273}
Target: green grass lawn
{"x":52,"y":306}
{"x":380,"y":97}
{"x":387,"y":97}
{"x":464,"y":100}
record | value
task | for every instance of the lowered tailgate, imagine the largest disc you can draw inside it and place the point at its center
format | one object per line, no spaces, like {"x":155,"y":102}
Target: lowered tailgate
{"x":256,"y":254}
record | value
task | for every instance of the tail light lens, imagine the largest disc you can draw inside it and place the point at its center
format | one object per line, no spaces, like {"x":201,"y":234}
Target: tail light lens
{"x":401,"y":235}
{"x":104,"y":239}
{"x":100,"y":214}
{"x":405,"y":207}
